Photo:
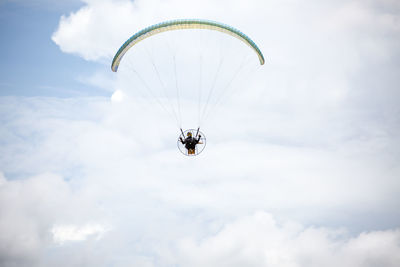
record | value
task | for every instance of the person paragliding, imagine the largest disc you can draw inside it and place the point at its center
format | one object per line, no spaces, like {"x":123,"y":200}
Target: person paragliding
{"x":190,"y":143}
{"x":181,"y":63}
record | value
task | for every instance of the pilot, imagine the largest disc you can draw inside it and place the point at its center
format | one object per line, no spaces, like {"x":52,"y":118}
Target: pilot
{"x":190,"y":143}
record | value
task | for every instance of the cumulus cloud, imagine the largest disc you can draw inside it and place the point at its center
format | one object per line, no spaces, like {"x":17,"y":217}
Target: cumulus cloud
{"x":29,"y":208}
{"x":137,"y":184}
{"x":84,"y":32}
{"x":116,"y":173}
{"x":42,"y":224}
{"x":65,"y":233}
{"x":259,"y":240}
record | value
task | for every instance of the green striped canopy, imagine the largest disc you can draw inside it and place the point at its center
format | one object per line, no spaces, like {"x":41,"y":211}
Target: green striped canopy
{"x":181,"y":25}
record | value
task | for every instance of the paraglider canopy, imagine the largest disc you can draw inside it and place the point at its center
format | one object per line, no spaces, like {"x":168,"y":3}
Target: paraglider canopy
{"x":181,"y":25}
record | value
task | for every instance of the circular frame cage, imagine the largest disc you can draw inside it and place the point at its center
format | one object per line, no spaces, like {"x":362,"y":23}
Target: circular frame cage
{"x":199,"y":147}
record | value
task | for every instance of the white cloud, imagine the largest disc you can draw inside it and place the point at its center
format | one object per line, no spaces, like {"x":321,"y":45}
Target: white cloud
{"x":64,"y":233}
{"x":117,"y":96}
{"x":25,"y":210}
{"x":259,"y":240}
{"x":124,"y":171}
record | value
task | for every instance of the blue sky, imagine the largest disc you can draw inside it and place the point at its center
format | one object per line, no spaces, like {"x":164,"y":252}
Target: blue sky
{"x":301,"y":163}
{"x":29,"y":52}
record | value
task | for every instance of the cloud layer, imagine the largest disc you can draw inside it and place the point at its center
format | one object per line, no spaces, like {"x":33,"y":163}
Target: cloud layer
{"x":112,"y":195}
{"x":259,"y":240}
{"x":32,"y":234}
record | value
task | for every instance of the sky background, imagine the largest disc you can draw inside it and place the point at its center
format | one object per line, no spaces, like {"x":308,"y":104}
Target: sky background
{"x":300,"y":169}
